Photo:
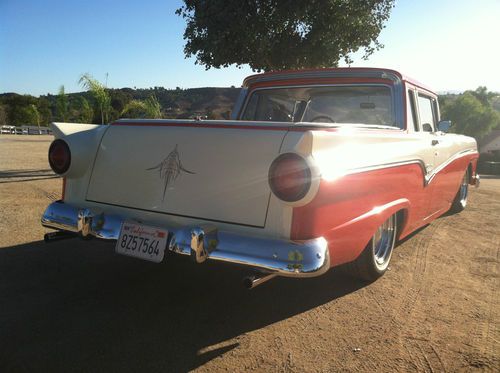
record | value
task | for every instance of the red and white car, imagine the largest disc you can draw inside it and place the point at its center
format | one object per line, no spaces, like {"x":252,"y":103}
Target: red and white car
{"x":317,"y":168}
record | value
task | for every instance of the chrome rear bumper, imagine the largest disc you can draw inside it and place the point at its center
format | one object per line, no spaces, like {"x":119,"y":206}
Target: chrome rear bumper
{"x":284,"y":258}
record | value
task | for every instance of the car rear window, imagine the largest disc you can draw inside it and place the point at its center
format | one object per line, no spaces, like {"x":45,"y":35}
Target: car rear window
{"x":332,"y":104}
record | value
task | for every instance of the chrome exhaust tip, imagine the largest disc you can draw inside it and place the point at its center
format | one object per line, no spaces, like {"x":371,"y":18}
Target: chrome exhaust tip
{"x":251,"y":282}
{"x":58,"y":235}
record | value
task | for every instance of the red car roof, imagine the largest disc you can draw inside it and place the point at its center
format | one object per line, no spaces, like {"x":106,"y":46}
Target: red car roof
{"x":329,"y":72}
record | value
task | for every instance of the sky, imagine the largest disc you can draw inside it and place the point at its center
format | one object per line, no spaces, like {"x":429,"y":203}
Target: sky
{"x":448,"y":45}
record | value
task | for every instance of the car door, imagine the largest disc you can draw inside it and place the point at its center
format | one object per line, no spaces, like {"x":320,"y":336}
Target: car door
{"x":422,"y":204}
{"x":437,"y":178}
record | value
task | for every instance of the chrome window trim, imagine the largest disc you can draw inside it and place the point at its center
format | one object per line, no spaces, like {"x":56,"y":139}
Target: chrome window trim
{"x":397,"y":110}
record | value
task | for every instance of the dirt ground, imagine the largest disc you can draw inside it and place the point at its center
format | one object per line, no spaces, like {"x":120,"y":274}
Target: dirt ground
{"x":76,"y":306}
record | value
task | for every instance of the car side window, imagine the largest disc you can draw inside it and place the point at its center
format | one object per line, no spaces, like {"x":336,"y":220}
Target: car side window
{"x":426,"y":112}
{"x":413,"y":111}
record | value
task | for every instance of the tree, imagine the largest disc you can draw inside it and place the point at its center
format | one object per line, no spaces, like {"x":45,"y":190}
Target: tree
{"x":134,"y":109}
{"x":62,"y":104}
{"x":18,"y":112}
{"x":100,"y":94}
{"x":81,"y":111}
{"x":119,"y":99}
{"x":35,"y":115}
{"x":149,"y":108}
{"x":281,"y":34}
{"x":153,"y":107}
{"x":3,"y":115}
{"x":471,"y":115}
{"x":45,"y":111}
{"x":482,"y":94}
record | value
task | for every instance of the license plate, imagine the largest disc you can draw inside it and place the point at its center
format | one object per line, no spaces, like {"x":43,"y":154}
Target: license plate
{"x":142,"y":241}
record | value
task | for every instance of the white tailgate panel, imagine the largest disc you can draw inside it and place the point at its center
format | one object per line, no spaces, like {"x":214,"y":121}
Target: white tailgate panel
{"x":229,"y":169}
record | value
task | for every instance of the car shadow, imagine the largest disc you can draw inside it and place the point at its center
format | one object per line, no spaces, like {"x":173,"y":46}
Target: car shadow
{"x":19,"y":176}
{"x":75,"y":305}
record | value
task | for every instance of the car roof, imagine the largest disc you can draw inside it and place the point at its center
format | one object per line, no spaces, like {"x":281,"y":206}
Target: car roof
{"x":341,"y":72}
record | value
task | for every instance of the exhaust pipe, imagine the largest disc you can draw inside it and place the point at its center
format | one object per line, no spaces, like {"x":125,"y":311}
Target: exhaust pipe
{"x":251,"y":282}
{"x":56,"y":236}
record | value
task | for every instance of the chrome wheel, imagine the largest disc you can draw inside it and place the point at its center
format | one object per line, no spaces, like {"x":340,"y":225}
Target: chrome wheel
{"x":375,"y":258}
{"x":460,"y":201}
{"x":383,"y":242}
{"x":464,"y":189}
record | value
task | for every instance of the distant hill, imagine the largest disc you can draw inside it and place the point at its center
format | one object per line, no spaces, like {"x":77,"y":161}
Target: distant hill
{"x":210,"y":102}
{"x":184,"y":103}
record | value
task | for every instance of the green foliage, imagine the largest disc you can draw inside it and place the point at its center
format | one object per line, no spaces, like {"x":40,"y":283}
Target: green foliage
{"x":62,"y":105}
{"x":3,"y":115}
{"x":119,"y":99}
{"x":44,"y":108}
{"x":100,"y":94}
{"x":210,"y":113}
{"x":482,"y":94}
{"x":134,"y":109}
{"x":35,"y":115}
{"x":276,"y":34}
{"x":17,"y":109}
{"x":173,"y":103}
{"x":471,"y":113}
{"x":81,"y":111}
{"x":149,"y":108}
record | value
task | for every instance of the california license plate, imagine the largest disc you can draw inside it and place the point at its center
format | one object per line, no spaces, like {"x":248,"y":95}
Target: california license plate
{"x":142,"y":241}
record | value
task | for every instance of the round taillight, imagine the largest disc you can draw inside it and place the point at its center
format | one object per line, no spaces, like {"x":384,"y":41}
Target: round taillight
{"x":290,"y":177}
{"x":59,"y":156}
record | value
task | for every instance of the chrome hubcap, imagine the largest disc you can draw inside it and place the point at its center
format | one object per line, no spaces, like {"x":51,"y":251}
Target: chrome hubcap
{"x":464,"y":189}
{"x":383,"y":242}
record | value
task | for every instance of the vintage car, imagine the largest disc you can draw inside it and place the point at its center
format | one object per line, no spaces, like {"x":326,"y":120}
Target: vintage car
{"x":316,"y":168}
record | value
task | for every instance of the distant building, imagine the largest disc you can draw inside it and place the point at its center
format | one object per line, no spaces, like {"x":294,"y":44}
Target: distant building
{"x":490,"y":143}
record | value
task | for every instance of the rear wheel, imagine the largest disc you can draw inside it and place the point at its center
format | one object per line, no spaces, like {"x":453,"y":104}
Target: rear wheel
{"x":460,"y":201}
{"x":375,"y":258}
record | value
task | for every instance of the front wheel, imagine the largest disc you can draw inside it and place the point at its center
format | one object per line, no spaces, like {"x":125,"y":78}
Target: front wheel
{"x":375,"y":258}
{"x":460,"y":201}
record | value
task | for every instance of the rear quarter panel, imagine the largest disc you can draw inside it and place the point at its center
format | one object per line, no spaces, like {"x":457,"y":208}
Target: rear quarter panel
{"x":366,"y":176}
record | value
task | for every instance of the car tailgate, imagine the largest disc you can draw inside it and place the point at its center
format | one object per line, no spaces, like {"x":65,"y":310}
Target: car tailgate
{"x":212,"y":172}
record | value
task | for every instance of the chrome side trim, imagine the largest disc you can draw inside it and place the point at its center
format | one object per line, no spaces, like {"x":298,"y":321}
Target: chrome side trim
{"x":387,"y":165}
{"x":428,"y":173}
{"x":308,"y":258}
{"x":443,"y":165}
{"x":319,"y":126}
